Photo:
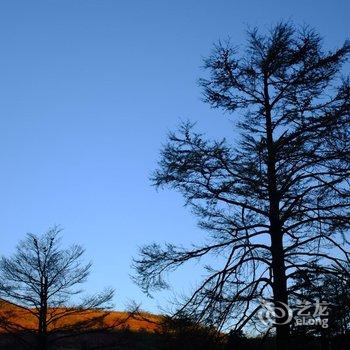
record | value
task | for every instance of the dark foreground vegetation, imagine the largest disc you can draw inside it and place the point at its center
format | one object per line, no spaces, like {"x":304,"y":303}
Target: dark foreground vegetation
{"x":164,"y":340}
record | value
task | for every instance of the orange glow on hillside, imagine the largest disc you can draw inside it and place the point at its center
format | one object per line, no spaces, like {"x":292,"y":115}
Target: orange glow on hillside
{"x":24,"y":319}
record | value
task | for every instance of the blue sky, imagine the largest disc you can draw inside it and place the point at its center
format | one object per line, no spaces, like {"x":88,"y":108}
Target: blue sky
{"x":88,"y":91}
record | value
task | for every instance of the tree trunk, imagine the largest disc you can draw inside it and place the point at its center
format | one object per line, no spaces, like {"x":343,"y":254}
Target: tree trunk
{"x":42,"y":329}
{"x":279,"y":284}
{"x":280,"y":293}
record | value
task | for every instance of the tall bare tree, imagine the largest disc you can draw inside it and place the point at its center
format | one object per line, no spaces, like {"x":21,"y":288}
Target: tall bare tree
{"x":276,"y":199}
{"x":44,"y":280}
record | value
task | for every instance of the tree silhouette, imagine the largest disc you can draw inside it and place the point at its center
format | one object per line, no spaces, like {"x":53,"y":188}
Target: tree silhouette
{"x":274,"y":201}
{"x":43,"y":280}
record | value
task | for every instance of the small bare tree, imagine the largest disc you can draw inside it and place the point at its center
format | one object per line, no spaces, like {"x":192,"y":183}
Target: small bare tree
{"x":43,"y":279}
{"x":276,"y":199}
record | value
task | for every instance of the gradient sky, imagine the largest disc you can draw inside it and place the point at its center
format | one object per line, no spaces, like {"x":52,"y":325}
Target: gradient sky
{"x":88,"y":91}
